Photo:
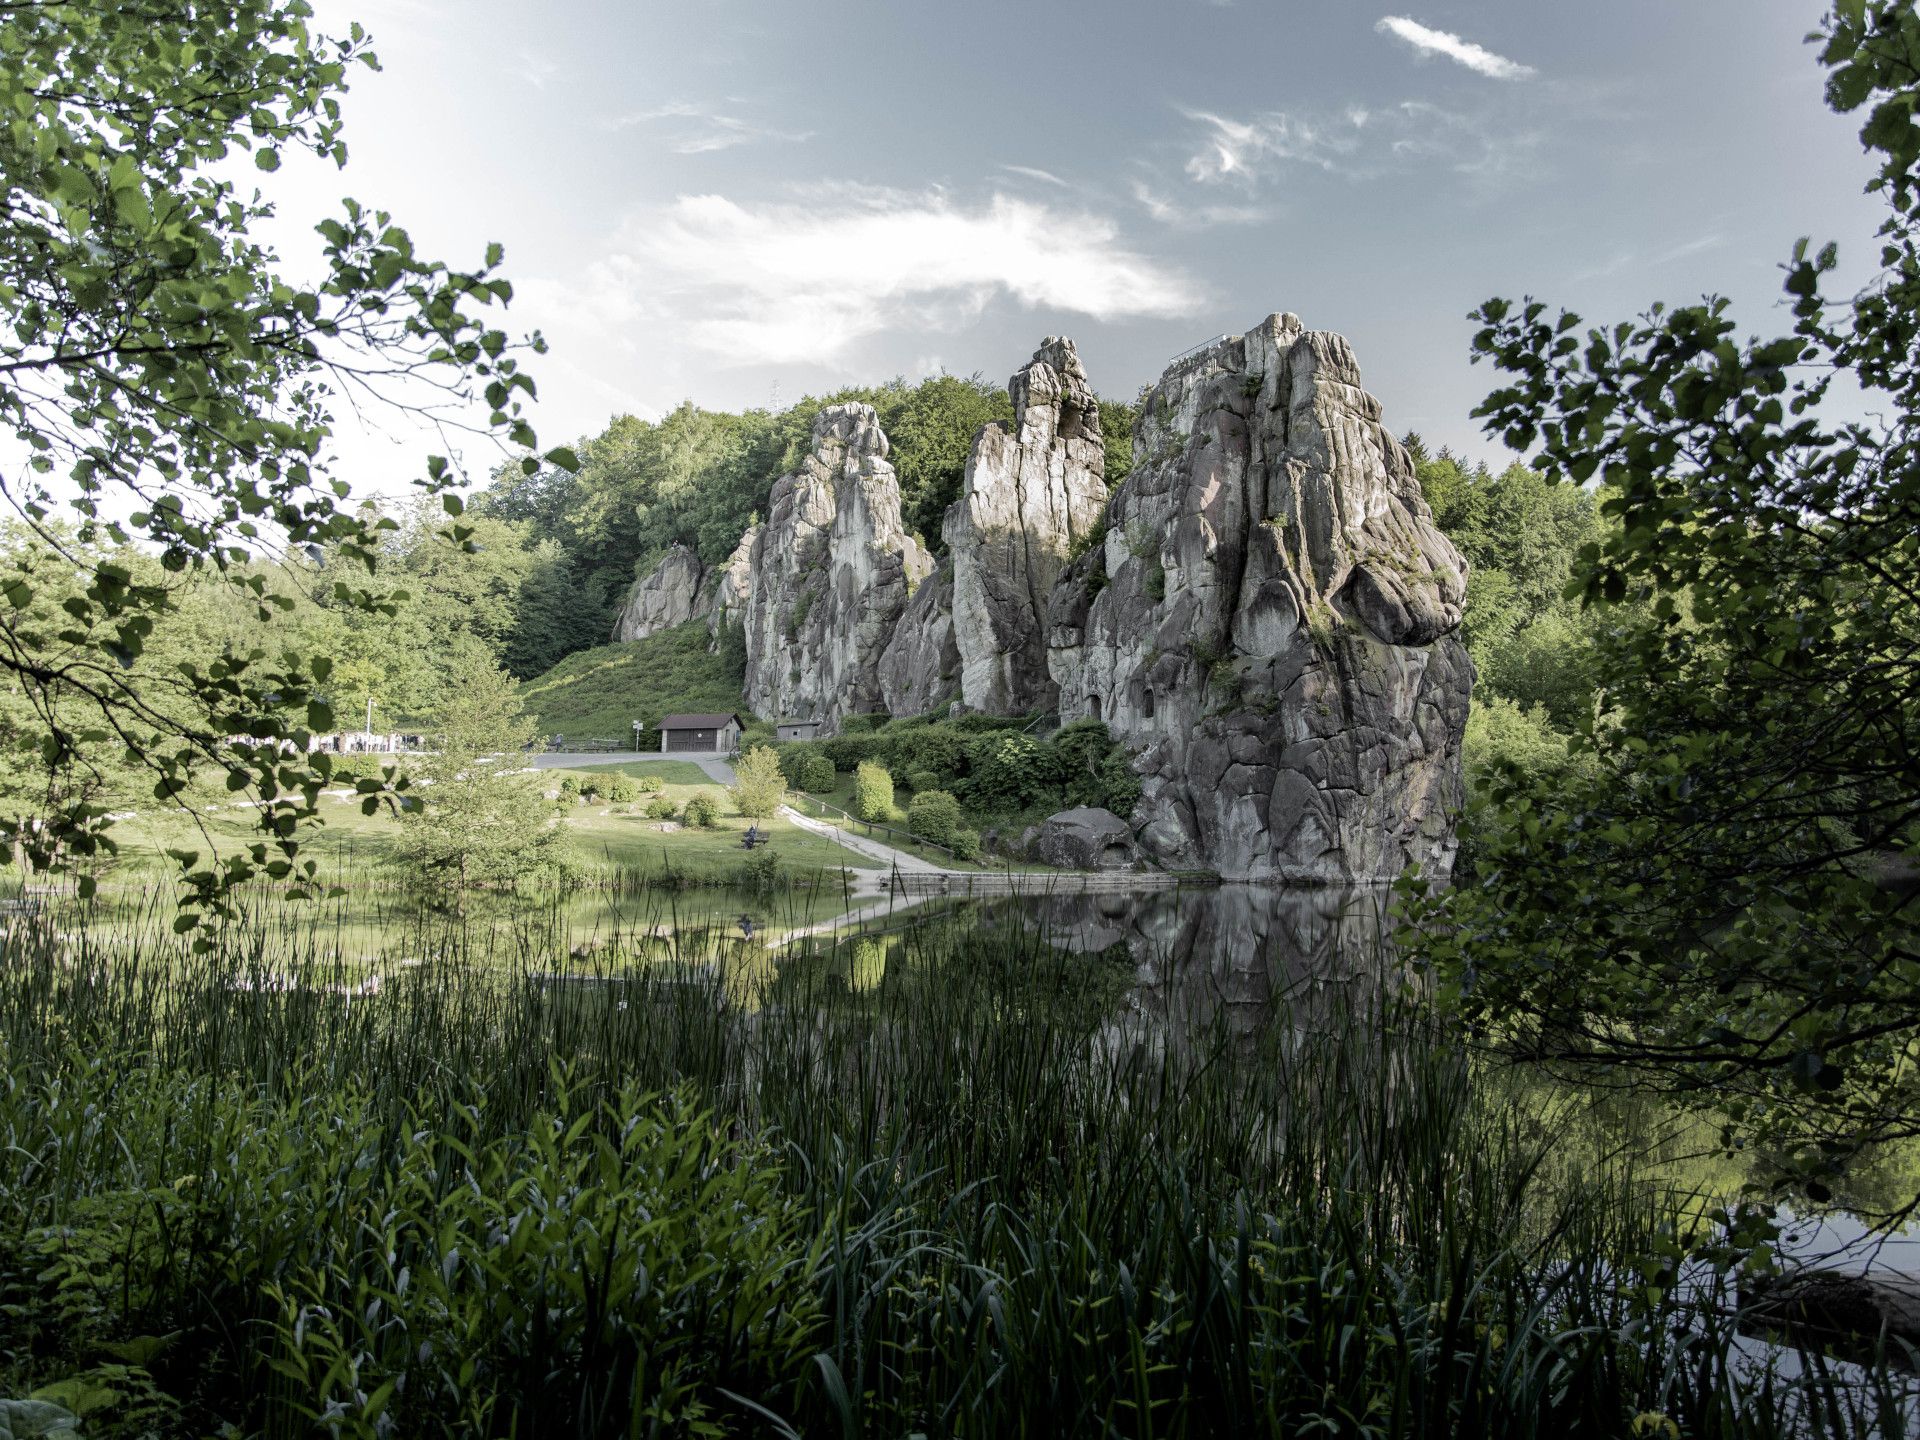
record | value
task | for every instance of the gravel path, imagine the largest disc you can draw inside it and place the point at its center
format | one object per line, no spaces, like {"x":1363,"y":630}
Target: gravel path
{"x":873,"y":849}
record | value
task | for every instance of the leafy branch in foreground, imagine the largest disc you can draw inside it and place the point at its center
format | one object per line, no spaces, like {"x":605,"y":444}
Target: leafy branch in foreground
{"x":1724,"y":900}
{"x":170,"y":383}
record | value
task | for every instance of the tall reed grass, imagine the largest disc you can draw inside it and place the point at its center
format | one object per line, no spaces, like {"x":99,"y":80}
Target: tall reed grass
{"x":951,"y":1181}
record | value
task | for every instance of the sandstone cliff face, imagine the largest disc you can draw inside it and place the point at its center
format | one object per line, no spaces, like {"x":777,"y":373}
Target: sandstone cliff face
{"x":1029,"y":495}
{"x":666,"y":596}
{"x":723,"y":594}
{"x":831,"y":572}
{"x":920,"y":668}
{"x":1269,"y":621}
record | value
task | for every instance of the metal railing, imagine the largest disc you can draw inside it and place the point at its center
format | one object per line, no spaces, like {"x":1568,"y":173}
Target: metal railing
{"x":1194,"y":350}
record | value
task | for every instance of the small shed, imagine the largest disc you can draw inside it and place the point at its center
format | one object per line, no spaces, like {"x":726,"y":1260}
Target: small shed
{"x":699,"y":734}
{"x":797,"y":729}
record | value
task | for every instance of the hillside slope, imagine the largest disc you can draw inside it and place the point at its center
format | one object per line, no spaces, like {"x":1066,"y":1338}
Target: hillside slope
{"x":599,"y":693}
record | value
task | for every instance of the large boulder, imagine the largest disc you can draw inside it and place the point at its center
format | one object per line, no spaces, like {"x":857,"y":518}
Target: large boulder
{"x":1269,"y":623}
{"x":1031,"y":495}
{"x":1085,"y":838}
{"x":832,"y":570}
{"x":666,"y":596}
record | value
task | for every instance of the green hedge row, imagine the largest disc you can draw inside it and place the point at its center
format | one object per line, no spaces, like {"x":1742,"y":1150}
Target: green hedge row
{"x":988,"y":764}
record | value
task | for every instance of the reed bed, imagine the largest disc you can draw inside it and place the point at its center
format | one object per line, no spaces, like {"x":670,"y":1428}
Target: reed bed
{"x":947,"y":1181}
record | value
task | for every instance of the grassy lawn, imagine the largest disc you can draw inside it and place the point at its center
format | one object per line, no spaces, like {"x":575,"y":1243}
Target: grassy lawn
{"x":669,"y":772}
{"x":598,"y":834}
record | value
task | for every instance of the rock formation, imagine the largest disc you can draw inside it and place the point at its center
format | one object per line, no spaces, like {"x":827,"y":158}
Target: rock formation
{"x":1268,"y":623}
{"x":920,"y":668}
{"x":723,"y":594}
{"x":666,"y":596}
{"x":1030,"y":495}
{"x":832,"y":569}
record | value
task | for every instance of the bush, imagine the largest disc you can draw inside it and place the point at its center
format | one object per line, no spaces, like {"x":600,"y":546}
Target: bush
{"x":919,"y":780}
{"x":648,"y":784}
{"x":702,"y":810}
{"x":965,"y":844}
{"x":794,"y":755}
{"x":817,"y":774}
{"x":622,"y":791}
{"x":569,"y":789}
{"x":660,"y":808}
{"x":872,"y":792}
{"x":935,"y":815}
{"x":847,"y":751}
{"x":1010,"y":772}
{"x":589,"y":788}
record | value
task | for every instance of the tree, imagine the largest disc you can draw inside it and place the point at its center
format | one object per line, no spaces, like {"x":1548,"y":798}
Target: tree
{"x":872,"y":792}
{"x":176,"y":382}
{"x":1720,"y":898}
{"x":478,"y":820}
{"x":759,"y":787}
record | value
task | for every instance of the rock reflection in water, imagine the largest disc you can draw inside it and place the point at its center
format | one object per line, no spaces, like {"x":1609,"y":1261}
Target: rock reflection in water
{"x":1240,"y":957}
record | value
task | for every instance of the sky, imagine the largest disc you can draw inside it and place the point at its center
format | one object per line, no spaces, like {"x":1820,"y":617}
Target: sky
{"x":740,"y":202}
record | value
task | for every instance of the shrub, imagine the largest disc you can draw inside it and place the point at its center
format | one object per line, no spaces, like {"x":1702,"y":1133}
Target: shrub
{"x":847,"y":751}
{"x":1010,"y":772}
{"x":648,"y":784}
{"x":965,"y":844}
{"x":701,"y":810}
{"x":660,"y":808}
{"x":589,"y":788}
{"x":794,"y":755}
{"x":569,"y":789}
{"x":935,"y":815}
{"x":817,"y":774}
{"x":872,"y":792}
{"x":919,"y":780}
{"x":759,"y":787}
{"x":622,"y":791}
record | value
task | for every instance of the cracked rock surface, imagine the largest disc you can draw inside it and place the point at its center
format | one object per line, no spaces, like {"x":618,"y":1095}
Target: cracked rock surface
{"x":1269,"y":624}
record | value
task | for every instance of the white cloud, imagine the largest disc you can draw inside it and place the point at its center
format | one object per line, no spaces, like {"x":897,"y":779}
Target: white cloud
{"x":702,"y":128}
{"x":1239,"y":149}
{"x":806,"y":280}
{"x":1033,"y":174}
{"x":1428,"y":41}
{"x":1359,"y":143}
{"x":1169,"y":212}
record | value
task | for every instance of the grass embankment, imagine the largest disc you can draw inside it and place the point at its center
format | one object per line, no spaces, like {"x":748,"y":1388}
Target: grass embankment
{"x":599,"y":693}
{"x":354,"y":850}
{"x":935,"y":1184}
